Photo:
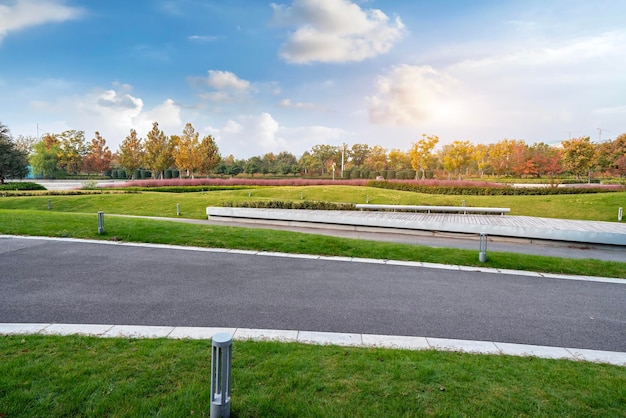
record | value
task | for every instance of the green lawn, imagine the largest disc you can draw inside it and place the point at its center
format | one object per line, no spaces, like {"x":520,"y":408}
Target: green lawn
{"x":47,"y":376}
{"x":599,"y":207}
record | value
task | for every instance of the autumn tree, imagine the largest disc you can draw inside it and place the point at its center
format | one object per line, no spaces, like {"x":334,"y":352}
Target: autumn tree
{"x":480,"y":157}
{"x":131,"y":153}
{"x":158,"y":151}
{"x":72,"y":151}
{"x":501,"y":156}
{"x":377,"y":159}
{"x":546,"y":159}
{"x":98,"y":158}
{"x":209,"y":155}
{"x":456,"y":157}
{"x":421,"y":154}
{"x":612,"y":156}
{"x":13,"y":161}
{"x":578,"y":156}
{"x":185,"y":152}
{"x":307,"y":163}
{"x":399,"y":160}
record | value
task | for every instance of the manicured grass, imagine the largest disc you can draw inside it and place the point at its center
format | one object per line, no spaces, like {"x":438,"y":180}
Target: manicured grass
{"x":87,"y":376}
{"x":50,"y":223}
{"x":597,"y":206}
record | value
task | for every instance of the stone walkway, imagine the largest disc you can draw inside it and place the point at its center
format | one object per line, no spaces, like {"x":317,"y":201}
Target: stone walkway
{"x":527,"y":227}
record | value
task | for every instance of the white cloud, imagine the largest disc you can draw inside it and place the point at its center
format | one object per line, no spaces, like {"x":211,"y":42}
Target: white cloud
{"x":225,"y":80}
{"x":532,"y":93}
{"x":251,"y":135}
{"x":22,"y":14}
{"x":113,"y":113}
{"x":202,"y":38}
{"x":410,"y":95}
{"x":288,"y":104}
{"x":227,"y":87}
{"x":335,"y":31}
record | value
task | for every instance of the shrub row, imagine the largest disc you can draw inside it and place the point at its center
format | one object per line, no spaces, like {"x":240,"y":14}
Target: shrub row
{"x":62,"y":193}
{"x":187,"y":189}
{"x":491,"y":190}
{"x":26,"y":185}
{"x":279,"y":204}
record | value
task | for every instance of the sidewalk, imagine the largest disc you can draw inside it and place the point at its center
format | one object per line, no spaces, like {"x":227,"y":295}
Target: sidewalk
{"x":319,"y":338}
{"x":524,"y":227}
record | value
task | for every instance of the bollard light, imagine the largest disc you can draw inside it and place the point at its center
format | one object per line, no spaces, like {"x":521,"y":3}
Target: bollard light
{"x":178,"y":209}
{"x":49,"y":204}
{"x":100,"y":222}
{"x":620,"y":214}
{"x":482,"y":255}
{"x":221,"y":365}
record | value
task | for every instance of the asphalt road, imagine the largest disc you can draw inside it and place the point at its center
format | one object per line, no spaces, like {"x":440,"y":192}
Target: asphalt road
{"x":78,"y":282}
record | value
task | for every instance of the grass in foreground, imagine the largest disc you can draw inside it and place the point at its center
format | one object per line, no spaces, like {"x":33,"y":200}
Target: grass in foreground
{"x":54,"y":224}
{"x":87,"y":376}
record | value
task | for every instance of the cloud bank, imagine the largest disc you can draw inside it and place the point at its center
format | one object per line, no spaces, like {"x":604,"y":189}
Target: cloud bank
{"x":335,"y":31}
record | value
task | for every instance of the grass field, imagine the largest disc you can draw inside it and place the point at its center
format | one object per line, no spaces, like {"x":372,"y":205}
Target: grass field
{"x":598,"y":207}
{"x":85,"y":376}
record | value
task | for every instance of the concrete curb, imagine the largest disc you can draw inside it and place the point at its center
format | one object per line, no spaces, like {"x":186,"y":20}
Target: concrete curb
{"x":318,"y":338}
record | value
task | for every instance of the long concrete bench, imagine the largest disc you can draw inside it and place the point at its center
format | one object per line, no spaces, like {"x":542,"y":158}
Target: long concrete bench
{"x":439,"y":209}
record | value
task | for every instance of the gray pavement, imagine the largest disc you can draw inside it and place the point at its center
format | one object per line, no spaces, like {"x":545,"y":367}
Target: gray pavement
{"x":47,"y":281}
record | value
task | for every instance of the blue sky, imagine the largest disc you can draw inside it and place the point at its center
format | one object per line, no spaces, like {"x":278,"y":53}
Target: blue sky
{"x":263,"y":76}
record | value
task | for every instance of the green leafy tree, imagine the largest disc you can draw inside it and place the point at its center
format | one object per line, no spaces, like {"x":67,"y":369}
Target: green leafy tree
{"x":158,"y":147}
{"x":45,"y":157}
{"x":286,"y":163}
{"x":358,"y":155}
{"x":131,"y":153}
{"x":13,"y":161}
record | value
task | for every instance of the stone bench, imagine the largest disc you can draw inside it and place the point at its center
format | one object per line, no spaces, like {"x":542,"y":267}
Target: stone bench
{"x":439,"y":209}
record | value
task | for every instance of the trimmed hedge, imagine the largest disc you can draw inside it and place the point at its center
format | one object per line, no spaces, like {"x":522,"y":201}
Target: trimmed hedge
{"x":279,"y":204}
{"x":26,"y":185}
{"x":495,"y":190}
{"x":185,"y":189}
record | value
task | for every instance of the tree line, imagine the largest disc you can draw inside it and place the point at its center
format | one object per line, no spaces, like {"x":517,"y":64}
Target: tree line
{"x":185,"y":155}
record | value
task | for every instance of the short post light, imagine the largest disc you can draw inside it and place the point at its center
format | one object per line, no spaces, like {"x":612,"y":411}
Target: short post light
{"x":178,"y":209}
{"x":221,"y":365}
{"x":482,"y":255}
{"x":100,"y":222}
{"x":620,"y":214}
{"x":49,"y":204}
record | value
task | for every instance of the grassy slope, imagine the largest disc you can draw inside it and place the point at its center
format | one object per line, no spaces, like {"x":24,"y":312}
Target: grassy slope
{"x":600,"y":207}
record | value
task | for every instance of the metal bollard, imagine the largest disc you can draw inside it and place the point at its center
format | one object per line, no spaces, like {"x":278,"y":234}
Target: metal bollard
{"x":482,"y":255}
{"x":178,"y":209}
{"x":620,"y":214}
{"x":49,"y":204}
{"x":221,"y":365}
{"x":100,"y":222}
